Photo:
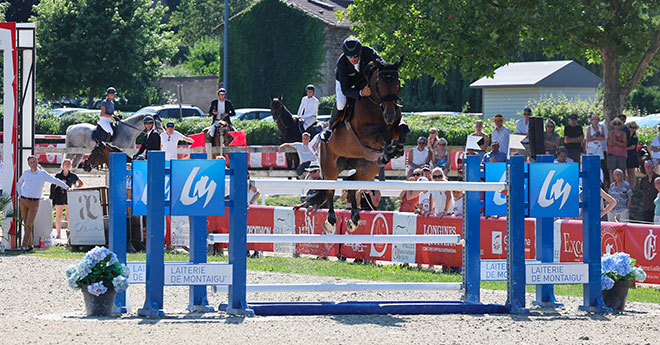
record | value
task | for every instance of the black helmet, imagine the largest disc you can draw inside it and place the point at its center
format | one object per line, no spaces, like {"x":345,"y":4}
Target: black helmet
{"x":310,"y":87}
{"x":351,"y":46}
{"x":111,"y":90}
{"x":148,"y":118}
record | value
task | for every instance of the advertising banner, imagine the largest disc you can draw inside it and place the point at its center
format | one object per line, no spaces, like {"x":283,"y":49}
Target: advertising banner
{"x":198,"y":187}
{"x":554,"y":190}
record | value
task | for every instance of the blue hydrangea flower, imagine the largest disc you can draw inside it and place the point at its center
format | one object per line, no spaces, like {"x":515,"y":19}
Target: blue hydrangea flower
{"x":85,"y":268}
{"x":606,"y":283}
{"x":73,"y":280}
{"x":71,"y":270}
{"x":113,"y":259}
{"x":97,"y":289}
{"x":640,"y":275}
{"x":120,"y":283}
{"x":622,"y":264}
{"x":125,"y":271}
{"x":97,"y":255}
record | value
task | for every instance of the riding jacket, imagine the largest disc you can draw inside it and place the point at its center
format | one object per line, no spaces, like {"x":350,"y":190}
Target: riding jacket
{"x":151,"y":142}
{"x":348,"y":76}
{"x":229,"y":109}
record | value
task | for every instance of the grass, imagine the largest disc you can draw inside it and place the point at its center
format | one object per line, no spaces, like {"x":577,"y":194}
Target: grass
{"x":327,"y":268}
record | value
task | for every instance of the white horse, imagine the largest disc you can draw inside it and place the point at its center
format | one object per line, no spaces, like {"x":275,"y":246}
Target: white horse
{"x":127,"y":131}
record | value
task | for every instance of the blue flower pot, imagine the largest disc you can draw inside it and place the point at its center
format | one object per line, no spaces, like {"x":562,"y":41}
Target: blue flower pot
{"x":99,"y":305}
{"x":615,"y":297}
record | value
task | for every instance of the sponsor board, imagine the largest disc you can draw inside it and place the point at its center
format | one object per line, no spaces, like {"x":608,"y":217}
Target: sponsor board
{"x":568,"y":273}
{"x":184,"y":273}
{"x":404,"y":224}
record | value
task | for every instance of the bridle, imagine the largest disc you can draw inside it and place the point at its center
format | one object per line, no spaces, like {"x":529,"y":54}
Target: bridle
{"x":393,"y":74}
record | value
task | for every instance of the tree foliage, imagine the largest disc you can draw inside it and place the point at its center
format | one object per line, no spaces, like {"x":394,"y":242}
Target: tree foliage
{"x":88,"y":45}
{"x":203,"y":59}
{"x":480,"y":35}
{"x":194,"y":20}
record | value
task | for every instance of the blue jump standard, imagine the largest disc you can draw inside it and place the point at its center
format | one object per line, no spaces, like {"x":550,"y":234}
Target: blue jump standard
{"x":372,"y":307}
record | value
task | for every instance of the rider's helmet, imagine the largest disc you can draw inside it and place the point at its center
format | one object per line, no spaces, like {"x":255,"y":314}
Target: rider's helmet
{"x":111,"y":90}
{"x":310,"y":87}
{"x":351,"y":46}
{"x":148,"y":118}
{"x":222,"y":90}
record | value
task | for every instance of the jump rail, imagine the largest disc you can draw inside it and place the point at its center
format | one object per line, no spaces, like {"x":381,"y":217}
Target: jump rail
{"x":343,"y":239}
{"x":383,"y":185}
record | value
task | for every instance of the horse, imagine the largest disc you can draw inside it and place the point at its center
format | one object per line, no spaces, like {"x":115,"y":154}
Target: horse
{"x":366,"y":141}
{"x":221,"y":131}
{"x":101,"y":155}
{"x":126,"y":132}
{"x":290,"y":127}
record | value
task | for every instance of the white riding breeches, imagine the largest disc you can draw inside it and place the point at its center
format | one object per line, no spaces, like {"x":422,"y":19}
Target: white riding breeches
{"x":341,"y":98}
{"x":106,"y":124}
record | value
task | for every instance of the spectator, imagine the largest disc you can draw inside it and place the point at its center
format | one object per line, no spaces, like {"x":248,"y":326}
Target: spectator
{"x":562,"y":156}
{"x":252,"y":196}
{"x":495,"y":155}
{"x":433,"y":138}
{"x":418,"y":156}
{"x":410,"y":198}
{"x":573,"y":137}
{"x":655,"y":149}
{"x":310,"y":197}
{"x":522,"y":128}
{"x":458,"y":202}
{"x":441,"y":155}
{"x":169,"y":141}
{"x":443,"y":201}
{"x":425,"y":204}
{"x":59,"y":195}
{"x":478,"y":132}
{"x":649,"y":192}
{"x":305,"y":153}
{"x":151,"y":141}
{"x":368,"y":199}
{"x":309,"y":107}
{"x":501,"y":134}
{"x":597,"y":140}
{"x":621,"y":192}
{"x":617,"y":151}
{"x":315,"y":143}
{"x":656,"y":212}
{"x":29,"y":188}
{"x":550,"y":138}
{"x":426,"y":172}
{"x":632,"y":161}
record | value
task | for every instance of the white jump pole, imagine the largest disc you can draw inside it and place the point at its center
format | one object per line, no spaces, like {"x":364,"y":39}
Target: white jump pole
{"x":382,"y":185}
{"x":344,"y":239}
{"x":348,"y":287}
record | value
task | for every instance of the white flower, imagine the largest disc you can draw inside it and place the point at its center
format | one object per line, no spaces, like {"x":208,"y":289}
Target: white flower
{"x":97,"y":289}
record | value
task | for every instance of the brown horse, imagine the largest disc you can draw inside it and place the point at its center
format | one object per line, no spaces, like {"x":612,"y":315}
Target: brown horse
{"x":101,"y":155}
{"x":221,"y":131}
{"x":366,"y":141}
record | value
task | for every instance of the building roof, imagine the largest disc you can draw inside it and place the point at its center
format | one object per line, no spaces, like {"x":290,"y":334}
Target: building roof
{"x":566,"y":73}
{"x":323,"y":10}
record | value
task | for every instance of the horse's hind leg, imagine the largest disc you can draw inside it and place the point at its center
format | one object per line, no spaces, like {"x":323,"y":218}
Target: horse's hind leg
{"x":352,"y":223}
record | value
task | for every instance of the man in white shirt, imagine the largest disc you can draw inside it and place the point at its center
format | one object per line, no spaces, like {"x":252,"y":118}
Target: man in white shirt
{"x":169,"y":141}
{"x":522,"y":127}
{"x":501,"y":134}
{"x":29,"y":189}
{"x":305,"y":153}
{"x":309,"y":108}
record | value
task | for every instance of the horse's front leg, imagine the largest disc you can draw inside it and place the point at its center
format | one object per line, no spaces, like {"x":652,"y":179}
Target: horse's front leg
{"x":402,"y":133}
{"x":329,"y":224}
{"x":387,"y":148}
{"x":352,"y":223}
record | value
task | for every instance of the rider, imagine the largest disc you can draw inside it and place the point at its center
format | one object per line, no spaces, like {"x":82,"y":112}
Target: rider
{"x":107,"y":114}
{"x":309,"y":108}
{"x":348,"y":74}
{"x":151,"y":140}
{"x":221,"y":109}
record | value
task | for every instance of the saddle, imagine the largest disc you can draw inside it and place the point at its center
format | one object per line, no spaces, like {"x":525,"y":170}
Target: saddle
{"x":344,"y":115}
{"x":100,"y":135}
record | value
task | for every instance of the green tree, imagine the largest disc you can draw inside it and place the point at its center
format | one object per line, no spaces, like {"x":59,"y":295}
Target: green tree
{"x":480,"y":35}
{"x":194,"y":20}
{"x":203,"y":59}
{"x":88,"y":45}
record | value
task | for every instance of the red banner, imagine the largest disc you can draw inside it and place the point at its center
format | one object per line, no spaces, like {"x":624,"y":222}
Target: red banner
{"x":641,"y":243}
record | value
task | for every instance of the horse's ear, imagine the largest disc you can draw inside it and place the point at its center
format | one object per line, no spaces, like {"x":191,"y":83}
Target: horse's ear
{"x":271,"y":97}
{"x":378,"y":64}
{"x":399,"y":62}
{"x":281,"y":98}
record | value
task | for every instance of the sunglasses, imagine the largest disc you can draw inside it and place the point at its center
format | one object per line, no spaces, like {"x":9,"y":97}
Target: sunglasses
{"x":433,"y":132}
{"x":616,"y":124}
{"x":633,"y":127}
{"x":352,"y":56}
{"x":441,"y":144}
{"x":148,"y":123}
{"x":438,"y":176}
{"x":417,"y":174}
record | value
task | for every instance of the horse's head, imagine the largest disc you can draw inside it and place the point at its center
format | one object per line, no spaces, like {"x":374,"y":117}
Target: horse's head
{"x":385,"y":84}
{"x":100,"y":155}
{"x":280,"y":113}
{"x":158,"y":124}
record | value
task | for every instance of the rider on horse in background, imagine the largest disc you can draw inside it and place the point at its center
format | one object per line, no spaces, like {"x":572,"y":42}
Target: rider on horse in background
{"x":309,"y":108}
{"x":221,"y":109}
{"x":348,"y":74}
{"x":105,"y":124}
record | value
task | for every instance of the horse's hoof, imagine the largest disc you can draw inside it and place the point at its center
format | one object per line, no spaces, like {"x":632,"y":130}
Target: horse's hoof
{"x":350,"y":226}
{"x":329,"y":228}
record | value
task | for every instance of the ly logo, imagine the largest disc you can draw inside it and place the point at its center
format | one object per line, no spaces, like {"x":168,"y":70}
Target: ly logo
{"x":202,"y":187}
{"x":498,"y":198}
{"x":650,"y":245}
{"x":556,"y":192}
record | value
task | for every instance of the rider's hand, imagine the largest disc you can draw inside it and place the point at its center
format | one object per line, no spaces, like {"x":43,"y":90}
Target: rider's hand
{"x":135,"y":157}
{"x":366,"y":92}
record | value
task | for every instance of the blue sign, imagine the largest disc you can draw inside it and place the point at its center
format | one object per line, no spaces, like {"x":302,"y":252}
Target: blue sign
{"x":198,"y":187}
{"x":554,"y":190}
{"x":495,"y":202}
{"x":139,"y":188}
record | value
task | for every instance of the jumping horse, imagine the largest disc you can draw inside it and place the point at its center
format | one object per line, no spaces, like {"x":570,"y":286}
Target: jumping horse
{"x":369,"y":139}
{"x":221,"y":131}
{"x":101,"y":155}
{"x":290,"y":127}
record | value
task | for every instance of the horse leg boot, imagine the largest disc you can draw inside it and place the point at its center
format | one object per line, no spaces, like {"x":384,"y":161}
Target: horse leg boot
{"x":352,"y":223}
{"x":403,"y":130}
{"x":329,"y":224}
{"x":325,"y":136}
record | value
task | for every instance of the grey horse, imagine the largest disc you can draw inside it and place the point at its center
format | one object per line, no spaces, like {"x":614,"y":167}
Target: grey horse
{"x":80,"y":135}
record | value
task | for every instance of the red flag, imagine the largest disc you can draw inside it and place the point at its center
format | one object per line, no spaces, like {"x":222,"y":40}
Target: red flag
{"x":198,"y":140}
{"x":240,"y":138}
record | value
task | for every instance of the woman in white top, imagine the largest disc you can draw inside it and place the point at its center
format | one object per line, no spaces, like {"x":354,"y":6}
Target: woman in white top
{"x":425,"y":205}
{"x":418,"y":156}
{"x":443,"y":202}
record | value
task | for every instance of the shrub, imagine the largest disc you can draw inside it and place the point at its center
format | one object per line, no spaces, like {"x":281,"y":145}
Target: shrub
{"x":326,"y":104}
{"x":203,"y":59}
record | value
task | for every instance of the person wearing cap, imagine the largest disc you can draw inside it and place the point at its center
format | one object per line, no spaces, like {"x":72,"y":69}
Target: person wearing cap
{"x":501,"y":134}
{"x":309,"y":107}
{"x":169,"y":141}
{"x":305,"y":153}
{"x":107,"y":114}
{"x":151,"y":141}
{"x":221,"y":109}
{"x":655,"y":149}
{"x":495,"y":155}
{"x":418,"y":156}
{"x":522,"y":128}
{"x":617,"y":148}
{"x":573,"y":138}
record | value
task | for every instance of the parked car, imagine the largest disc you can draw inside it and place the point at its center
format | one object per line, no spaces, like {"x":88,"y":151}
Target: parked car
{"x":251,"y":114}
{"x":172,"y":111}
{"x":66,"y":111}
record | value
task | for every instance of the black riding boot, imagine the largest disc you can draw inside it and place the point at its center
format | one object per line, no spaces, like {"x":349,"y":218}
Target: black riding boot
{"x":325,"y":136}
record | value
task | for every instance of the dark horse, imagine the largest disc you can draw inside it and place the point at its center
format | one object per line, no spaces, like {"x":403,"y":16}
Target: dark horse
{"x":366,"y":141}
{"x":290,"y":127}
{"x":221,"y":131}
{"x":101,"y":155}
